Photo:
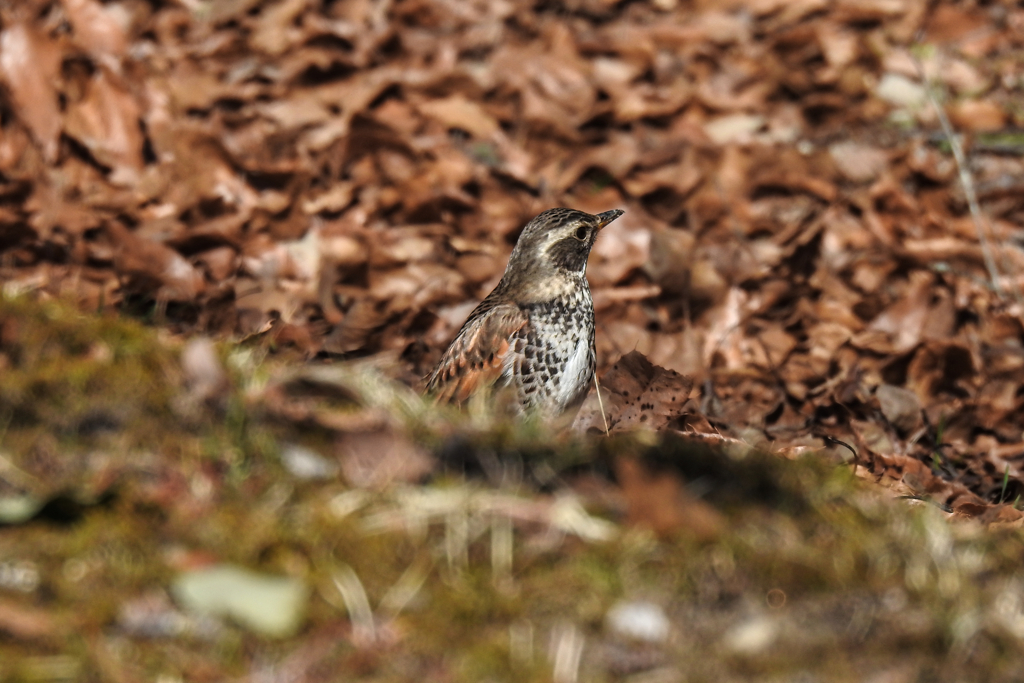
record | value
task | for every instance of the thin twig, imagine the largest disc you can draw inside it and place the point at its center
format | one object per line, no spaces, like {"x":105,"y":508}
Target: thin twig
{"x":981,"y":224}
{"x":600,"y":403}
{"x":836,"y":442}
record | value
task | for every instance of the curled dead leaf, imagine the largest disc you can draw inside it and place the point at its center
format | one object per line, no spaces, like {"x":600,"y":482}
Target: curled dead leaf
{"x":640,"y":395}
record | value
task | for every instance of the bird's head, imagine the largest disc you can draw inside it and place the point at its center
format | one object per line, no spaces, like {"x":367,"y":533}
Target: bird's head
{"x":558,"y":241}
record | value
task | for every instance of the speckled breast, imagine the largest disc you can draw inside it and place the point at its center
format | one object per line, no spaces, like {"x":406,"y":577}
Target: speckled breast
{"x":554,"y":354}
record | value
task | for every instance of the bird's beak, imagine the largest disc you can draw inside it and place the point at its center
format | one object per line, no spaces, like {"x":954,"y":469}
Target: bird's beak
{"x":608,"y":216}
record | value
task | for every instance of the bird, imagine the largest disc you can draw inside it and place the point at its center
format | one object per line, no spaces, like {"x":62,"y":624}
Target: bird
{"x":535,"y":331}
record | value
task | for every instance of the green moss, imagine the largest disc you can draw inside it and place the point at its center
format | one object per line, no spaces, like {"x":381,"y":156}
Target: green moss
{"x":74,"y":373}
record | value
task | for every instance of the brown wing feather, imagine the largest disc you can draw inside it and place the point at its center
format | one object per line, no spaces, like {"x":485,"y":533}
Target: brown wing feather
{"x":476,"y":358}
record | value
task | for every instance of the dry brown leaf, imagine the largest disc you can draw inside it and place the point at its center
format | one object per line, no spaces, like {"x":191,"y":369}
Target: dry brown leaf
{"x":619,"y":250}
{"x":640,"y":396}
{"x":940,"y":364}
{"x":30,"y":63}
{"x":458,"y":112}
{"x":99,"y":30}
{"x":900,"y":327}
{"x":106,"y":122}
{"x":900,"y":407}
{"x":153,"y":267}
{"x":858,"y":163}
{"x":362,"y":320}
{"x":724,"y":336}
{"x":220,"y":263}
{"x":275,"y":30}
{"x":978,"y":115}
{"x":298,"y":111}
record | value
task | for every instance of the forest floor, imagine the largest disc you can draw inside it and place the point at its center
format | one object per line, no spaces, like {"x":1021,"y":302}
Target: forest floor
{"x":236,"y":234}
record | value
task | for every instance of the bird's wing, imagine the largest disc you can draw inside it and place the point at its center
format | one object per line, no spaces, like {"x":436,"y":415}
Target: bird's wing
{"x":477,"y":356}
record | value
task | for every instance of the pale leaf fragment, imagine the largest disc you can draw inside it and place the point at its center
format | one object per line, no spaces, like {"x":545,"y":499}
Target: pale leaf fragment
{"x":29,"y":63}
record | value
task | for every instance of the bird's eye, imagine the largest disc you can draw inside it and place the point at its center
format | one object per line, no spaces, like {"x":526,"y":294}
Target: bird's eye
{"x":582,"y":233}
